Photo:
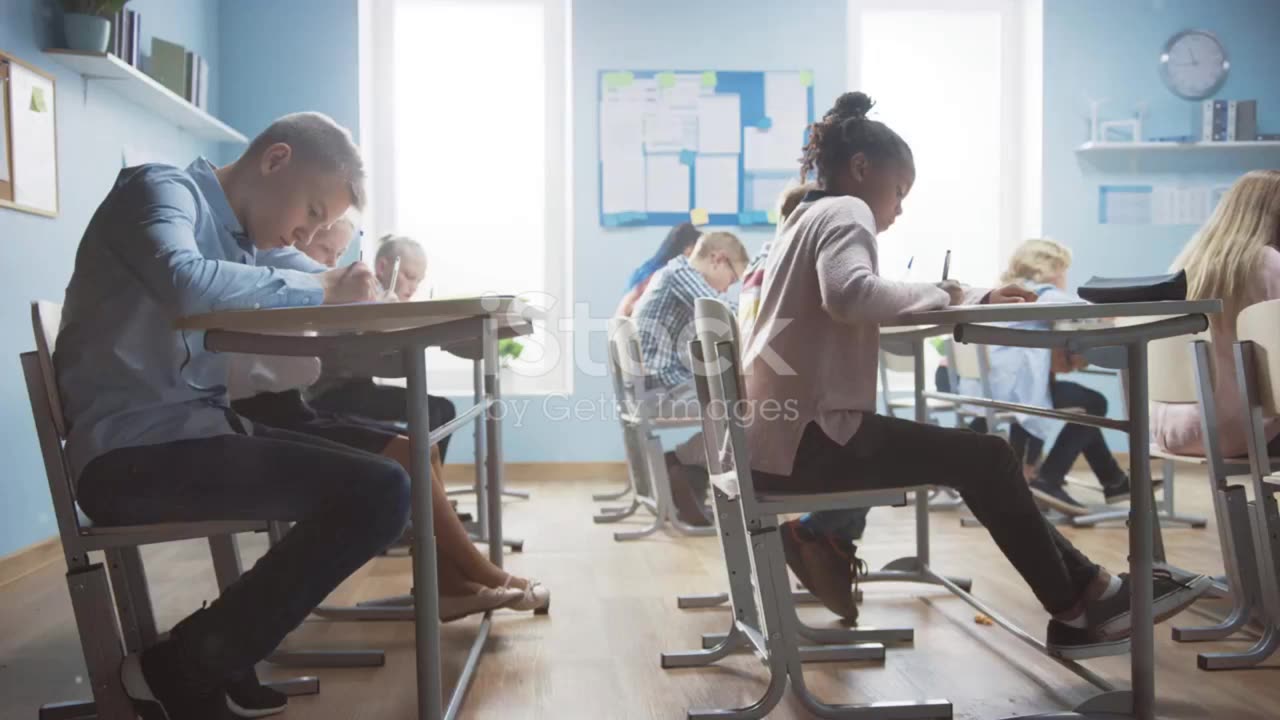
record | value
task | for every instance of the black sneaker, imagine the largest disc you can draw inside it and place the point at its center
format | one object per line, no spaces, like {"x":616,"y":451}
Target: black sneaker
{"x":1170,"y":596}
{"x":1117,"y":491}
{"x":247,"y":697}
{"x":1052,"y":495}
{"x":1073,"y":643}
{"x":153,"y":680}
{"x":685,"y":481}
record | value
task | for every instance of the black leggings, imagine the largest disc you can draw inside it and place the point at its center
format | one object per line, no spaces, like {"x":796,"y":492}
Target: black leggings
{"x":1075,"y":439}
{"x":364,"y":398}
{"x":889,"y":453}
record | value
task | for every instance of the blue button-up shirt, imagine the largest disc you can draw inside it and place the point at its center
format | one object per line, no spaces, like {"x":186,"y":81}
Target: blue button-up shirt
{"x":163,"y":245}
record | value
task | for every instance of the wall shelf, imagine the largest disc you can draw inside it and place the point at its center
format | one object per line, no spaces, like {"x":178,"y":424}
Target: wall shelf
{"x":1122,"y":147}
{"x":140,"y":88}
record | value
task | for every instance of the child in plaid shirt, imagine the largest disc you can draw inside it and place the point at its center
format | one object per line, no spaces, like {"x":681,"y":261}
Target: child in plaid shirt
{"x":664,"y":319}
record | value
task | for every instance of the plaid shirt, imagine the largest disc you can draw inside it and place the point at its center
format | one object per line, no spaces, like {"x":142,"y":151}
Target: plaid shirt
{"x":664,"y":319}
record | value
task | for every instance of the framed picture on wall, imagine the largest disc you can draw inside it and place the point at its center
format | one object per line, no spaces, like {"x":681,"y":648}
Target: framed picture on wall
{"x":28,"y":138}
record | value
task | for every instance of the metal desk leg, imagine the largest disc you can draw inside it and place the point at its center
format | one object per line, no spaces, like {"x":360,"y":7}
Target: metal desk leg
{"x":1141,"y":537}
{"x":427,"y":607}
{"x":493,"y":485}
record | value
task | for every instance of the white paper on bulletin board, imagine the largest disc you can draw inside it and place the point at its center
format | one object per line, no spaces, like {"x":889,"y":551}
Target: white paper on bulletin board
{"x":34,"y":131}
{"x":1157,"y":204}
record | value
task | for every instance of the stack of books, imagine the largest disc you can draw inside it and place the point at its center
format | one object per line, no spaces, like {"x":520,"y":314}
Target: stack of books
{"x":126,"y":36}
{"x":1229,"y":121}
{"x":184,"y":72}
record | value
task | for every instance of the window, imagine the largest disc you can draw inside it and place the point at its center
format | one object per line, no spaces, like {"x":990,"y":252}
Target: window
{"x":952,"y":77}
{"x":467,"y":123}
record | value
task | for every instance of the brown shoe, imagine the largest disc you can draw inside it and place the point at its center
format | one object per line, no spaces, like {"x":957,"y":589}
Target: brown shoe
{"x":684,"y":480}
{"x":822,"y":568}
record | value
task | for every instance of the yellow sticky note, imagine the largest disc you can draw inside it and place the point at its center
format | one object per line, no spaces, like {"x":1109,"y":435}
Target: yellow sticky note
{"x":806,"y":78}
{"x":773,"y":217}
{"x":666,"y":79}
{"x":37,"y":100}
{"x":709,"y":79}
{"x":698,"y":216}
{"x":615,"y":80}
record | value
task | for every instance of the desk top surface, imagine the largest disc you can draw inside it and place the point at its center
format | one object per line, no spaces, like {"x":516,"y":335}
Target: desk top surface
{"x":364,"y":317}
{"x":1021,"y":312}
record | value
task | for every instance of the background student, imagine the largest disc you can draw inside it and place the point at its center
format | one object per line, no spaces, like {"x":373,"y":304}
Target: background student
{"x":1028,"y":376}
{"x":823,"y":299}
{"x":1233,"y":257}
{"x":679,"y":241}
{"x":664,"y":322}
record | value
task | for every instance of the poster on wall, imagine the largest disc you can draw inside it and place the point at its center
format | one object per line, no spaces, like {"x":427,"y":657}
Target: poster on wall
{"x":31,"y":144}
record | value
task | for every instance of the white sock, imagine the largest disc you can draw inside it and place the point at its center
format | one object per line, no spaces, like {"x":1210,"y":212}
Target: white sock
{"x":1113,"y":587}
{"x":1077,"y":622}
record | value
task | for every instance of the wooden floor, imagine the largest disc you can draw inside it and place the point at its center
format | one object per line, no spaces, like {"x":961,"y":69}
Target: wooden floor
{"x":596,"y":654}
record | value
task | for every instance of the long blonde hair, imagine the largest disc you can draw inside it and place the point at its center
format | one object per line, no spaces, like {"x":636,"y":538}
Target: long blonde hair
{"x":1038,"y":260}
{"x":1221,"y":257}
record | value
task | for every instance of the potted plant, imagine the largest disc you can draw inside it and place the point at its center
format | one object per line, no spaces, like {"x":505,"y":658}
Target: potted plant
{"x":509,"y":349}
{"x":87,"y":23}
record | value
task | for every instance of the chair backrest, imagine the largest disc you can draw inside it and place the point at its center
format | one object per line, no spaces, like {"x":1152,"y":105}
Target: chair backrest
{"x":1171,"y":372}
{"x":46,"y":411}
{"x":626,"y":360}
{"x":717,"y":361}
{"x":1260,"y":324}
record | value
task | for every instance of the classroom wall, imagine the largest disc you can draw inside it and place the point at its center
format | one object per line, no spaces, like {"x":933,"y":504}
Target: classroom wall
{"x":1109,"y":49}
{"x":288,"y":56}
{"x":94,"y":127}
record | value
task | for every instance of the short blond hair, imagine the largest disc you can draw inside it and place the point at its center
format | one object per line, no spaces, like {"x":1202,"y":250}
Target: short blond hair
{"x":1037,"y":260}
{"x":722,"y":242}
{"x":317,"y":139}
{"x":391,"y":246}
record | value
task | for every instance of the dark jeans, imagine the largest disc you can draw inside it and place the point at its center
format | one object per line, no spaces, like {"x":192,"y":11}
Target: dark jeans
{"x":1075,"y":439}
{"x":348,"y":506}
{"x":365,"y":398}
{"x":890,"y":453}
{"x":290,"y":411}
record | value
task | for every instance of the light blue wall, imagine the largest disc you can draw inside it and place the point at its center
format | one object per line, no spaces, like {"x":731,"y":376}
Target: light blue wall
{"x":92,"y":129}
{"x":288,"y":56}
{"x":1108,"y":49}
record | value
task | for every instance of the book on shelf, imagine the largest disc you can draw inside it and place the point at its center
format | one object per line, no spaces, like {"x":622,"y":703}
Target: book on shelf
{"x":126,"y":28}
{"x":202,"y":82}
{"x":1246,"y":125}
{"x":168,"y":65}
{"x":1228,"y":120}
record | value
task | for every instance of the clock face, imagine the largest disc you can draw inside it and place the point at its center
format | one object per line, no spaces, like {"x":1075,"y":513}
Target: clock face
{"x":1194,"y":64}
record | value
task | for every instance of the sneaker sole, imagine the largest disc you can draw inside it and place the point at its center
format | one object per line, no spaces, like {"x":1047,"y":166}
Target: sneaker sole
{"x":1065,"y":508}
{"x":1113,"y":499}
{"x":1162,"y":608}
{"x":247,"y":713}
{"x":1105,"y":648}
{"x":136,"y":687}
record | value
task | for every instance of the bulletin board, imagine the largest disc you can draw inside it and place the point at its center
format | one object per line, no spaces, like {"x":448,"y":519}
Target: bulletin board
{"x":28,"y":138}
{"x":707,"y":147}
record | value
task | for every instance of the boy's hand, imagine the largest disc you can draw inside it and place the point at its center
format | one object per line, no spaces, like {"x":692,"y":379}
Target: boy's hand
{"x":1012,"y":293}
{"x":354,"y":283}
{"x":954,"y":289}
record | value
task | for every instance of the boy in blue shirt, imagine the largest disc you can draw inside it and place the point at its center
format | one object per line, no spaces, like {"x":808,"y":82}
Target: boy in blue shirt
{"x":152,"y":438}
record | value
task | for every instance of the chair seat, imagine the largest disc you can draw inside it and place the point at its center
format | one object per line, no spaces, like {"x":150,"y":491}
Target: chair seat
{"x":102,"y":537}
{"x":1157,"y":453}
{"x":782,"y":504}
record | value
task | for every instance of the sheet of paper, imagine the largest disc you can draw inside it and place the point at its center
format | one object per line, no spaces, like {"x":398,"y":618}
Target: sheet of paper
{"x":669,"y":130}
{"x":34,"y":149}
{"x":623,"y":179}
{"x":786,"y":99}
{"x":621,"y":128}
{"x":719,"y":124}
{"x":772,"y":150}
{"x":1124,"y":204}
{"x":666,"y":184}
{"x":715,"y":180}
{"x":766,"y":192}
{"x":682,"y":92}
{"x":1181,"y":205}
{"x":698,"y":216}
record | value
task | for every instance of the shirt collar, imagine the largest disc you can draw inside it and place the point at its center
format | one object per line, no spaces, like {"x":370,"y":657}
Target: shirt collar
{"x":203,"y":172}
